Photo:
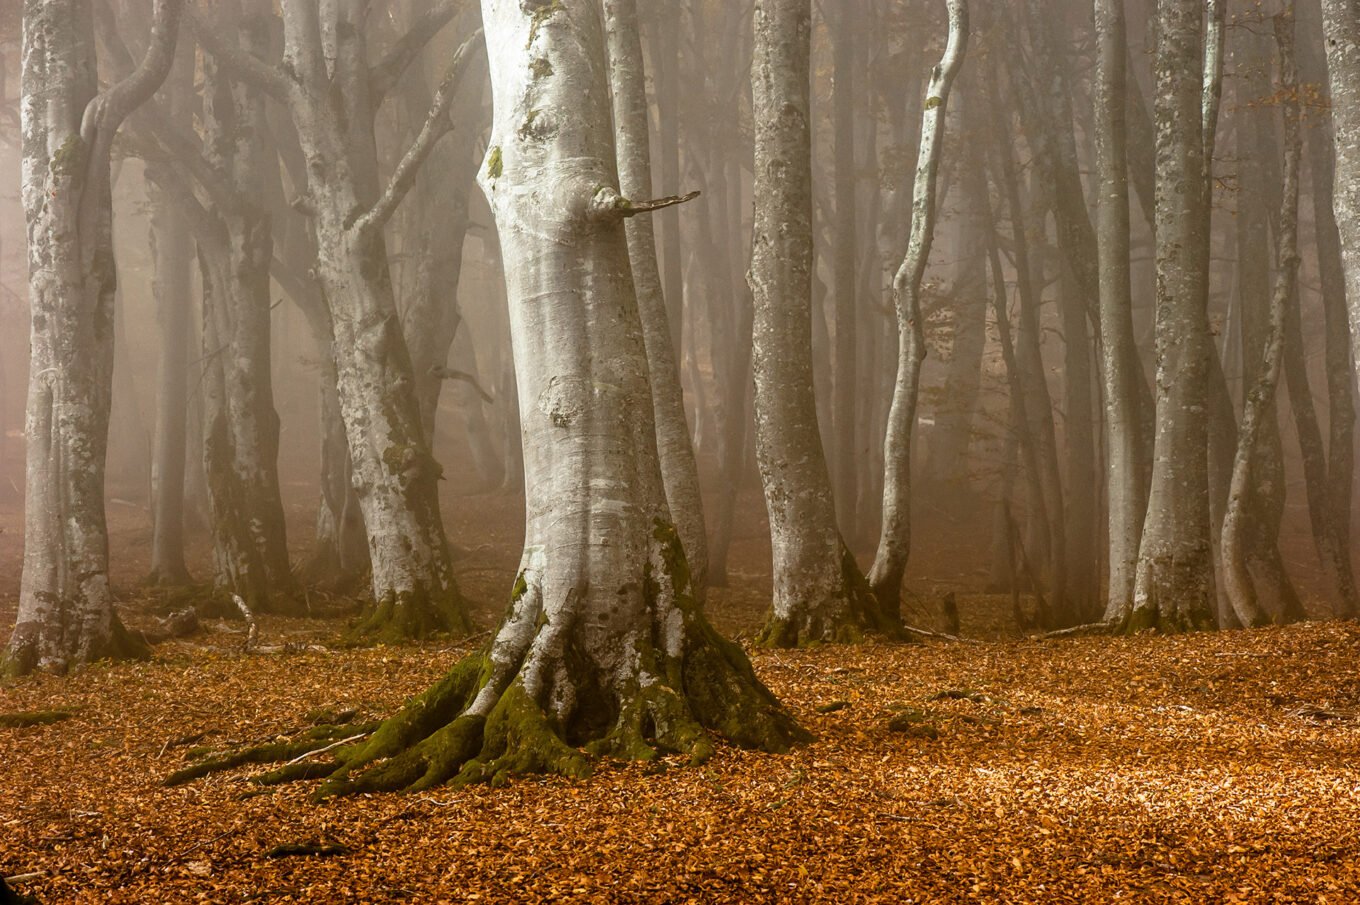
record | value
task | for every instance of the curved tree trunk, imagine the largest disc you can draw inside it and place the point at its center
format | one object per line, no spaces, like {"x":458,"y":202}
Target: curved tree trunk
{"x":819,"y":594}
{"x":894,"y":542}
{"x":1259,"y":413}
{"x":603,"y":648}
{"x":66,"y":617}
{"x":393,"y":471}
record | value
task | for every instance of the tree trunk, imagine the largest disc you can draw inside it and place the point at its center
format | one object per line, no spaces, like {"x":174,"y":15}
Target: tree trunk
{"x":1047,"y":510}
{"x":679,"y":472}
{"x":172,"y":251}
{"x":1259,"y":406}
{"x":1331,"y":512}
{"x":845,"y":266}
{"x":1341,"y":25}
{"x":894,"y":543}
{"x":951,"y":438}
{"x":1121,"y":370}
{"x":66,"y":616}
{"x":241,"y":426}
{"x":603,"y":647}
{"x":819,"y":593}
{"x":393,"y":471}
{"x":1174,"y":582}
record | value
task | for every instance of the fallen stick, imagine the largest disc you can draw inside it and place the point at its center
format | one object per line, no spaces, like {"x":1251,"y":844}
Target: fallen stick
{"x":1091,"y":628}
{"x":331,"y":747}
{"x":913,"y":630}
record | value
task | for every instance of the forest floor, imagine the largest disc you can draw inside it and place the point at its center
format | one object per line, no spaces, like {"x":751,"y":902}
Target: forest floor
{"x":1207,"y":768}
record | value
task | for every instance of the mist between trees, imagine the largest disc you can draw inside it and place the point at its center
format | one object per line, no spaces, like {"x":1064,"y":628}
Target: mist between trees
{"x":1050,"y":299}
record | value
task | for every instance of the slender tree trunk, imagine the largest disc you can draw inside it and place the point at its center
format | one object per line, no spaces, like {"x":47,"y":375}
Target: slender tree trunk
{"x":1080,"y":521}
{"x":1341,"y":26}
{"x":172,"y":256}
{"x":1121,"y":371}
{"x":1174,"y":583}
{"x":1259,"y":406}
{"x":241,"y":426}
{"x":894,"y":543}
{"x":1331,"y":512}
{"x":1047,"y":509}
{"x":845,"y":266}
{"x":678,"y":469}
{"x":393,"y":471}
{"x":66,"y":616}
{"x":951,"y":438}
{"x":819,"y":593}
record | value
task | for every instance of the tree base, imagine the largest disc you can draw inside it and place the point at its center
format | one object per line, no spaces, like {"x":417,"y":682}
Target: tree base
{"x":462,"y":731}
{"x":412,"y":616}
{"x":1172,"y":595}
{"x":845,"y":614}
{"x":35,"y":653}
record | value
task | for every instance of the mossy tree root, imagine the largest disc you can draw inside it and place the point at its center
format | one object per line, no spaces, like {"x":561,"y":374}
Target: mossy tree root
{"x":672,"y":706}
{"x":313,"y":739}
{"x":848,"y":615}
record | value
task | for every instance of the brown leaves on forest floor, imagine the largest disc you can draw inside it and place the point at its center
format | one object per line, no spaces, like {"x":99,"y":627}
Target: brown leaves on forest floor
{"x":1208,"y":768}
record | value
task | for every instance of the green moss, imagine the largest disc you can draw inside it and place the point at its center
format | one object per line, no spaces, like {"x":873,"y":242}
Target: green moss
{"x":495,"y":165}
{"x":520,"y":739}
{"x":540,"y":16}
{"x":268,"y":753}
{"x":27,"y":718}
{"x":69,"y":159}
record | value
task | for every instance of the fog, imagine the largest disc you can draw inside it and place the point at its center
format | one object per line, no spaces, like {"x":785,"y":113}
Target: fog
{"x":965,"y":462}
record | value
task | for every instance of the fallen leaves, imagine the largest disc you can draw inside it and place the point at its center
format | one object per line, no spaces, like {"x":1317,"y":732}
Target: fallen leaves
{"x":1202,"y":768}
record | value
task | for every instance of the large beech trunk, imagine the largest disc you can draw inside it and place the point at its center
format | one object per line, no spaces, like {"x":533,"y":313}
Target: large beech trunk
{"x":1174,"y":583}
{"x":66,"y":615}
{"x":394,"y":473}
{"x":240,"y":424}
{"x":819,"y":593}
{"x":603,"y":647}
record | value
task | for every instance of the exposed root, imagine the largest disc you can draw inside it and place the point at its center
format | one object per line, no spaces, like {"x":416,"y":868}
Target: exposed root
{"x":25,"y":718}
{"x":268,"y":753}
{"x":538,"y":700}
{"x":435,"y":741}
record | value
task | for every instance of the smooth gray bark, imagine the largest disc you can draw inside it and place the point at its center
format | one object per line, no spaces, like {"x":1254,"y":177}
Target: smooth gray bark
{"x":66,"y":616}
{"x":1125,"y":447}
{"x":819,"y":593}
{"x":894,"y":542}
{"x":1341,"y":27}
{"x":1174,"y":583}
{"x":679,"y":471}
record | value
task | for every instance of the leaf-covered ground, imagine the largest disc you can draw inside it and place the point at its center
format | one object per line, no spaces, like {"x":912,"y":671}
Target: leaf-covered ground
{"x":1210,"y":768}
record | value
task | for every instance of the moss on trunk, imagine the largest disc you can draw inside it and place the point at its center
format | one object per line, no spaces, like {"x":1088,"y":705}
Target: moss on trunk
{"x":846,"y":616}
